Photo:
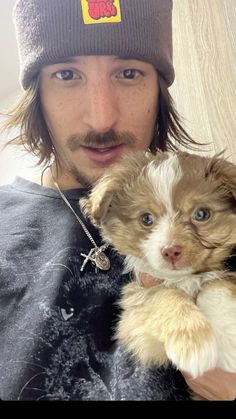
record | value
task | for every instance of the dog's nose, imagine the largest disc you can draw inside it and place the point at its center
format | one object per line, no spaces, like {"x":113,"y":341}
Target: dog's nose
{"x":172,"y":253}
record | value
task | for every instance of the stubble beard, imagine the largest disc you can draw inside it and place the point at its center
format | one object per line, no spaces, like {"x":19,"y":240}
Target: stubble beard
{"x":110,"y":138}
{"x":81,"y":178}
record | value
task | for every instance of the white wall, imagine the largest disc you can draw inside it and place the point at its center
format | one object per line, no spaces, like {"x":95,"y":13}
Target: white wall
{"x":9,"y":67}
{"x":13,"y":160}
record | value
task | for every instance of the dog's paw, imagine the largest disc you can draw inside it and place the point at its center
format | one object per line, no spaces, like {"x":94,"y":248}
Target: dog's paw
{"x":218,"y":303}
{"x":193,"y":350}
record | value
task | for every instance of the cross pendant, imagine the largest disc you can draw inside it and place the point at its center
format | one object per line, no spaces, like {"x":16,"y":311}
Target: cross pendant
{"x":88,"y":257}
{"x":98,"y":258}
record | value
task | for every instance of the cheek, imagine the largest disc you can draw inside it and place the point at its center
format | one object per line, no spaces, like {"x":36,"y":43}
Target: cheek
{"x":141,"y":123}
{"x":147,"y":110}
{"x":58,"y":108}
{"x":141,"y":106}
{"x":146,"y":120}
{"x":126,"y":238}
{"x":60,"y":121}
{"x":150,"y":102}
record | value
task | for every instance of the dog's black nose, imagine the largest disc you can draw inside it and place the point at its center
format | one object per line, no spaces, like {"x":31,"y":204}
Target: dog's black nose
{"x":172,"y":253}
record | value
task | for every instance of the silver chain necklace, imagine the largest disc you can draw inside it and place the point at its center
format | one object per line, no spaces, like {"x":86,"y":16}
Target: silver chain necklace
{"x":96,"y":255}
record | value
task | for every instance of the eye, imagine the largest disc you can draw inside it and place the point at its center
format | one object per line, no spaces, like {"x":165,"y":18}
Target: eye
{"x":65,"y":75}
{"x":202,"y":214}
{"x":147,"y":219}
{"x":67,"y":313}
{"x":129,"y":74}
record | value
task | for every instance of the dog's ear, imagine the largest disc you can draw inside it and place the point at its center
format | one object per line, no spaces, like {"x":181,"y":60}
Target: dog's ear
{"x":96,"y":204}
{"x":111,"y":186}
{"x":224,"y":172}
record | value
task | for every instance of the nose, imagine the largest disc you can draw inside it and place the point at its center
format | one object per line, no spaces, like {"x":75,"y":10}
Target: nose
{"x":172,"y":253}
{"x":100,"y":107}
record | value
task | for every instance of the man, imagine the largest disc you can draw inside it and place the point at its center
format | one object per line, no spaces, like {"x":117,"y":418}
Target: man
{"x":96,"y":77}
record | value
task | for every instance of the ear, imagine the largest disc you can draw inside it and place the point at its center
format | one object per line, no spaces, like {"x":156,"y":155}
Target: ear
{"x":111,"y":186}
{"x":225,"y":172}
{"x":97,"y":203}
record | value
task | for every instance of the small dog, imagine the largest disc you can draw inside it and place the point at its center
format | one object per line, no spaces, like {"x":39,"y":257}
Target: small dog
{"x":173,"y":216}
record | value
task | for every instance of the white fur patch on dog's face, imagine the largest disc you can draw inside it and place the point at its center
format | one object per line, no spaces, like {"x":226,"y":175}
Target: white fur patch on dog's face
{"x":163,"y":178}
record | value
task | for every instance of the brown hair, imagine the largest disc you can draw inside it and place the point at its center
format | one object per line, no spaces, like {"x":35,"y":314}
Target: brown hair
{"x":35,"y":137}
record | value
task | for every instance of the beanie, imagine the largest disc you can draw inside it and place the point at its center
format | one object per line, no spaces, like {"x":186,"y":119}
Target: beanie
{"x":48,"y":31}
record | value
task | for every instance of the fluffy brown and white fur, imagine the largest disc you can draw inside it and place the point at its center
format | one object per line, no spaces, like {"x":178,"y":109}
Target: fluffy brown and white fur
{"x":173,"y":216}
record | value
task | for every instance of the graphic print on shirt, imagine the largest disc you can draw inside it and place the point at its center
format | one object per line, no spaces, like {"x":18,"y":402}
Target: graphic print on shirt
{"x":60,"y":344}
{"x":61,"y":331}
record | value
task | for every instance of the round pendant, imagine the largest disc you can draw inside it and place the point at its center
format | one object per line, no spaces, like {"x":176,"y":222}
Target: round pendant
{"x":102,"y":261}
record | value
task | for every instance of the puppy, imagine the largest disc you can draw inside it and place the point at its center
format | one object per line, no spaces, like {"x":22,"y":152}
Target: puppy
{"x":173,"y":216}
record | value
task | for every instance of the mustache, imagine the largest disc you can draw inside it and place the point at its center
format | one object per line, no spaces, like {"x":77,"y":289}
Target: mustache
{"x":107,"y":139}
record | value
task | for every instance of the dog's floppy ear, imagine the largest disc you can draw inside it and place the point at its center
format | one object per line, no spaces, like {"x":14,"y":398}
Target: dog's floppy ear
{"x":111,"y":186}
{"x":224,"y":172}
{"x":96,"y":204}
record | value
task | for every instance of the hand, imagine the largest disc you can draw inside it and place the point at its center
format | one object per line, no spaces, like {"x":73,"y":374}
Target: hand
{"x":213,"y":385}
{"x":147,"y":280}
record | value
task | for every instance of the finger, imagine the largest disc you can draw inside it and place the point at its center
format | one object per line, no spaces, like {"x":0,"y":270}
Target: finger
{"x":147,"y":280}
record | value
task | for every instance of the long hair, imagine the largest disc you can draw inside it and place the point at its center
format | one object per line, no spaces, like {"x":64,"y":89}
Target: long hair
{"x":34,"y":135}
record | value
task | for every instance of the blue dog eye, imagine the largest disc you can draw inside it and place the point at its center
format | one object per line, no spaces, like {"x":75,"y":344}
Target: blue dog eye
{"x":202,"y":214}
{"x":147,"y":219}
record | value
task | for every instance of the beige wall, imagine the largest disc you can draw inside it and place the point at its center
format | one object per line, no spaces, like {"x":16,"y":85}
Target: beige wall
{"x":205,"y":63}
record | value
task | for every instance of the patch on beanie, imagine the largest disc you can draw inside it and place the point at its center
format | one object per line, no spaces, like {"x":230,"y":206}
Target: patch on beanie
{"x":101,"y":11}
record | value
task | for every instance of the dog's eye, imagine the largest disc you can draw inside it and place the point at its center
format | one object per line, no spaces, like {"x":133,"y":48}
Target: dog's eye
{"x":147,"y":219}
{"x":202,"y":214}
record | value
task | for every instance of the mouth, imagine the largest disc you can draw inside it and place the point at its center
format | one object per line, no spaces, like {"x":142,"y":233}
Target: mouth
{"x":103,"y":154}
{"x":176,"y":270}
{"x":174,"y":274}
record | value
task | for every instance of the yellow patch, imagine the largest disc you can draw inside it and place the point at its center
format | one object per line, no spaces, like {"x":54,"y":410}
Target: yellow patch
{"x":101,"y":11}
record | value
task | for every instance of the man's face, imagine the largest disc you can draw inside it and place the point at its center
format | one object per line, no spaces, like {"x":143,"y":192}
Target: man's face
{"x":97,"y":109}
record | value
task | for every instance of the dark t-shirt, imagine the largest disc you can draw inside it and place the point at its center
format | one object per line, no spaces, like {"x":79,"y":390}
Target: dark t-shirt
{"x":56,"y":322}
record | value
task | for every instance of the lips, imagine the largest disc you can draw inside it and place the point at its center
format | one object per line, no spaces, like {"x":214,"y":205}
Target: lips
{"x":103,"y":155}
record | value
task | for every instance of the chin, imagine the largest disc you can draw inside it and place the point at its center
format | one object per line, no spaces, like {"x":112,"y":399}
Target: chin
{"x":173,"y":216}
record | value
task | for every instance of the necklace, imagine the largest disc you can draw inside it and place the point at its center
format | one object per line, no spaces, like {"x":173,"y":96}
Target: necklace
{"x":96,"y":255}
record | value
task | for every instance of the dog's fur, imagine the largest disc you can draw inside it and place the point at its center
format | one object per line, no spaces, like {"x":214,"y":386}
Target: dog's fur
{"x":189,"y":316}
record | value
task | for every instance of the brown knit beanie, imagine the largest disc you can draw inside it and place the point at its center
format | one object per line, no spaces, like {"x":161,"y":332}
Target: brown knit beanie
{"x":50,"y":30}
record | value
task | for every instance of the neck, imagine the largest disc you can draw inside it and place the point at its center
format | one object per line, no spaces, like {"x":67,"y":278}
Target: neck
{"x":51,"y":175}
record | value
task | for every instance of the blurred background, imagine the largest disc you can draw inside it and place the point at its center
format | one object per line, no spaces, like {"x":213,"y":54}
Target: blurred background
{"x":204,"y":41}
{"x":13,"y":160}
